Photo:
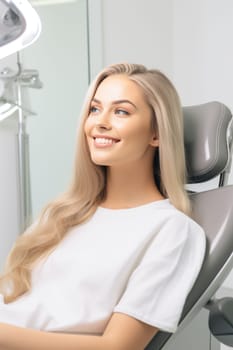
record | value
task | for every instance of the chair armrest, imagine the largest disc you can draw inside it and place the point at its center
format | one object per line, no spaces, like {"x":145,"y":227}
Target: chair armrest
{"x":221,"y":319}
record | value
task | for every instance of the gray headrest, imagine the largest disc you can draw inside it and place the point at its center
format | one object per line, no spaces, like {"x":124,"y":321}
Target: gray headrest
{"x":206,"y":137}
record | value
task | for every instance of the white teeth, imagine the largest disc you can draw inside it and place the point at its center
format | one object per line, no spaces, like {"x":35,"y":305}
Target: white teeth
{"x":103,"y":141}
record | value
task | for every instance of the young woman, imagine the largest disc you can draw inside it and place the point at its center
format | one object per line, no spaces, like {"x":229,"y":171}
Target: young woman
{"x":112,"y":261}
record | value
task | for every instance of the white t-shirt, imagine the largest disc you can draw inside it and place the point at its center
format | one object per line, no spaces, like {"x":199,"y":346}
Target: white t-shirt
{"x":140,"y":261}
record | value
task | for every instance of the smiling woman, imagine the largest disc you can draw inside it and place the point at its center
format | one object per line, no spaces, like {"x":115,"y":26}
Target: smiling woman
{"x":103,"y":260}
{"x":118,"y":128}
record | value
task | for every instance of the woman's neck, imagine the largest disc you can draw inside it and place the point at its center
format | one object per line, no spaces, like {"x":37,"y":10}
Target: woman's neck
{"x":130,"y":187}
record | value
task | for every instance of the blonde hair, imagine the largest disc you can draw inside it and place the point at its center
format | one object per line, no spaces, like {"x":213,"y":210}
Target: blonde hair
{"x":87,"y":188}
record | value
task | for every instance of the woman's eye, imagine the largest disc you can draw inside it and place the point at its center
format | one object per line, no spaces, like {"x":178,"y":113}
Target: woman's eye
{"x":93,"y":109}
{"x":122,"y":112}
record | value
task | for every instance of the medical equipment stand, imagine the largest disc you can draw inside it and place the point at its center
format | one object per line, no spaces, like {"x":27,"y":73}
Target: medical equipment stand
{"x":22,"y":78}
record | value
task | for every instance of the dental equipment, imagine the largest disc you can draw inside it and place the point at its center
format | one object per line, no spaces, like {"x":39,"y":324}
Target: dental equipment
{"x":20,"y":26}
{"x":28,"y":78}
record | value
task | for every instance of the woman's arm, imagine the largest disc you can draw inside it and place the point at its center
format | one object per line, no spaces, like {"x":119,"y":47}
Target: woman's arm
{"x":122,"y":333}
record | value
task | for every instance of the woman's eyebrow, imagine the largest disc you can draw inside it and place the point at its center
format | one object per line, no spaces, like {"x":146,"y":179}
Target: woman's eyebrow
{"x":116,"y":102}
{"x":96,"y":101}
{"x":124,"y":101}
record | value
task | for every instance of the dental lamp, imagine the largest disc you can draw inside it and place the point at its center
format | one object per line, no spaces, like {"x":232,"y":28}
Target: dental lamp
{"x":20,"y":26}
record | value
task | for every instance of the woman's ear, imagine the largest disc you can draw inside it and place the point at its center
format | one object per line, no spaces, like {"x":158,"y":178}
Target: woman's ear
{"x":155,"y":141}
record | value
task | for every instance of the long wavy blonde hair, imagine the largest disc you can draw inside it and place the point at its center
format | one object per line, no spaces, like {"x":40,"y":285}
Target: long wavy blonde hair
{"x":87,"y":188}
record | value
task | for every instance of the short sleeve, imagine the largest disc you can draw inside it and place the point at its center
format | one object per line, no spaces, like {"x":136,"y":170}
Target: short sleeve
{"x":159,"y":285}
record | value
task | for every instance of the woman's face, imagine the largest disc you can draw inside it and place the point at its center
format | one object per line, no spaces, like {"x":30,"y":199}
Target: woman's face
{"x":118,"y":128}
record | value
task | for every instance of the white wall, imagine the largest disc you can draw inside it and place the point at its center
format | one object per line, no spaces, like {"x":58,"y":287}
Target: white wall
{"x":139,"y":32}
{"x":203,"y":51}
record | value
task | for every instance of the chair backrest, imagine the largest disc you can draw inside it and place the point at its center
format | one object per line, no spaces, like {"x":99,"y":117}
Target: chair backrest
{"x":208,"y":143}
{"x":208,"y":139}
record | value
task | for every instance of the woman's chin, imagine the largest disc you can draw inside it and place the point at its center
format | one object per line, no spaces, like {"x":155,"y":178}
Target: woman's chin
{"x":98,"y":161}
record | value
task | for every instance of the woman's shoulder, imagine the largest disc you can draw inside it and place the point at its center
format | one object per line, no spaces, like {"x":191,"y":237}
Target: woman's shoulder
{"x":181,"y":225}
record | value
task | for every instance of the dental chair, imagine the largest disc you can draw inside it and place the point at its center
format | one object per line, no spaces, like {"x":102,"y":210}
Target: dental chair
{"x":208,"y":145}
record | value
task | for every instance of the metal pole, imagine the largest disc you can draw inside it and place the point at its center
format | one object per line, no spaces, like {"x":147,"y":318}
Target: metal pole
{"x":23,"y":161}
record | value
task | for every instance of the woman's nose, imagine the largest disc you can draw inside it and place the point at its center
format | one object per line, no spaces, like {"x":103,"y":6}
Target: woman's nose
{"x":103,"y":121}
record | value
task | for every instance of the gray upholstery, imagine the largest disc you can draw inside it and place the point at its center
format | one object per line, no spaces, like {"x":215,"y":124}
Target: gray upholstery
{"x":213,"y":209}
{"x":205,"y":136}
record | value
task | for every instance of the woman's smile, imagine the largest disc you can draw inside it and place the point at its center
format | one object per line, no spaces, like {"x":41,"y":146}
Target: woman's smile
{"x":104,"y":141}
